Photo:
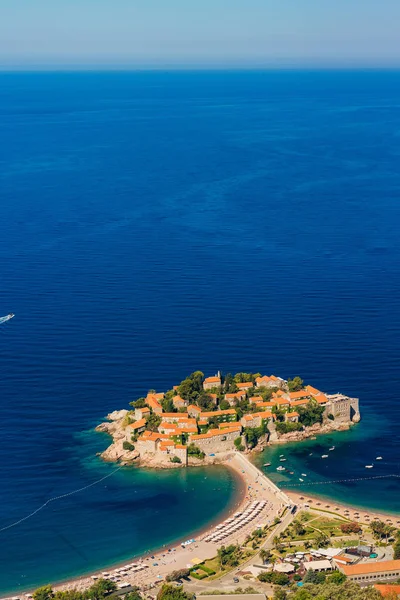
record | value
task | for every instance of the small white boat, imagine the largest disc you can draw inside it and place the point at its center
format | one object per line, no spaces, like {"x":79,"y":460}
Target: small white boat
{"x":266,"y":464}
{"x":282,"y":459}
{"x":300,"y":479}
{"x":369,"y":466}
{"x":280,"y":469}
{"x":304,"y":474}
{"x":330,"y":449}
{"x":378,"y":458}
{"x":324,"y":456}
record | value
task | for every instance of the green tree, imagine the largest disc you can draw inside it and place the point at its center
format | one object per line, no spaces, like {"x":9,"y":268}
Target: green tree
{"x":168,"y":405}
{"x":265,"y":577}
{"x":280,"y":578}
{"x":194,"y":450}
{"x":238,"y":444}
{"x":170,"y":592}
{"x":175,"y":459}
{"x":295,"y":384}
{"x":311,"y":413}
{"x":128,"y":446}
{"x":102,"y":588}
{"x":43,"y":593}
{"x":298,"y":528}
{"x":229,"y":555}
{"x":224,"y":405}
{"x":265,"y":555}
{"x":134,"y":595}
{"x":396,"y":549}
{"x":153,"y":422}
{"x":280,"y":594}
{"x":314,"y":577}
{"x":245,"y":377}
{"x":139,"y":403}
{"x":176,"y":575}
{"x":321,"y":540}
{"x":191,"y":387}
{"x":337,"y":577}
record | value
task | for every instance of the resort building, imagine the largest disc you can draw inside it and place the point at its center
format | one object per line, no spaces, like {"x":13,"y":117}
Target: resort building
{"x":292,"y":417}
{"x":319,"y":565}
{"x":153,"y":403}
{"x":179,"y":402}
{"x":235,"y":397}
{"x":214,"y":398}
{"x":140,"y":413}
{"x":369,"y":572}
{"x":215,"y":440}
{"x":256,"y":399}
{"x":247,"y":385}
{"x":137,"y":427}
{"x":221,"y":415}
{"x":212,"y":382}
{"x":388,"y":590}
{"x":161,"y":446}
{"x":177,"y":418}
{"x":193,"y":410}
{"x":270,"y":382}
{"x":343,"y":408}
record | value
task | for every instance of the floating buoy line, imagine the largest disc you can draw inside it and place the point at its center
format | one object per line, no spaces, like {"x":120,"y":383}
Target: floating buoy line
{"x":86,"y":487}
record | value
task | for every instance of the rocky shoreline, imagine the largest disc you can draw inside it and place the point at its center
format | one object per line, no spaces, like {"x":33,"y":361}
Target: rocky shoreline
{"x":117,"y":453}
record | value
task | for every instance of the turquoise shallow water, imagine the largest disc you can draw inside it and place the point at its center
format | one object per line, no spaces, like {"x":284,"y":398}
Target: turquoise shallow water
{"x":153,"y":224}
{"x":129,"y":513}
{"x":342,"y":476}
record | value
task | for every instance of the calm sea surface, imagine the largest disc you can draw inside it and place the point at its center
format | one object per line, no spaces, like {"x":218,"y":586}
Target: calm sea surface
{"x":152,"y":224}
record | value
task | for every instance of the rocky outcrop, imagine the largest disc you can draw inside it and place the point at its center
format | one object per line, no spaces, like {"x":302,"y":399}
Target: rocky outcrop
{"x":317,"y":429}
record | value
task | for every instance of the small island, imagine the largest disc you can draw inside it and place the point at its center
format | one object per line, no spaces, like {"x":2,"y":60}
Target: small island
{"x":203,"y":420}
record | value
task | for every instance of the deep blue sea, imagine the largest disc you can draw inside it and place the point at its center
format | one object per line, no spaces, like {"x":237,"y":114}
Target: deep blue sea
{"x":157,"y":223}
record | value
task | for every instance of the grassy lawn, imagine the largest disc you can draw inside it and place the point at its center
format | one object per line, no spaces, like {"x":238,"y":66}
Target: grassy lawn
{"x":312,"y":525}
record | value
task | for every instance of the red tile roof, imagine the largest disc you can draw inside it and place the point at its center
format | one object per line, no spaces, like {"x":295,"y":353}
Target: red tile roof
{"x":219,"y":413}
{"x":365,"y":568}
{"x":138,"y":424}
{"x":299,"y":394}
{"x":212,"y":380}
{"x":387,"y":589}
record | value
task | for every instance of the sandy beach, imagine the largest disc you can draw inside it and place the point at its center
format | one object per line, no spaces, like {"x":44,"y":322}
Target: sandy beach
{"x":149,"y":570}
{"x":361,"y":515}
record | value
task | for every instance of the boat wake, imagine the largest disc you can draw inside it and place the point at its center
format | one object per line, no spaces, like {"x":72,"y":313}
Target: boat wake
{"x":6,"y":318}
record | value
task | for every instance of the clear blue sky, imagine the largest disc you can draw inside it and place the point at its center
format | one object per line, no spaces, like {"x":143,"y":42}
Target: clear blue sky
{"x":199,"y":32}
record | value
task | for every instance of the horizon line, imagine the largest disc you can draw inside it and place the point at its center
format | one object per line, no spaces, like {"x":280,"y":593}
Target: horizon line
{"x":120,"y":67}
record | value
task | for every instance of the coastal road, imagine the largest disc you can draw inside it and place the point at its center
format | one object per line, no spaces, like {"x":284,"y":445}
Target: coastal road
{"x":226,"y":581}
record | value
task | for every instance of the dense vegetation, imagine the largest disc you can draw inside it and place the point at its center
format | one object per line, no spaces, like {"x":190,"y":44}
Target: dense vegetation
{"x":334,"y":591}
{"x":253,"y":434}
{"x":170,"y":592}
{"x":311,"y":413}
{"x":193,"y":450}
{"x":97,"y":591}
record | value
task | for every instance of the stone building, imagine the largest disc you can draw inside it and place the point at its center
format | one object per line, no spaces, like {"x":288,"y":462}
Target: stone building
{"x":140,"y":413}
{"x":153,"y":403}
{"x":215,"y":440}
{"x":367,"y":573}
{"x":343,"y":408}
{"x":270,"y":382}
{"x":134,"y":428}
{"x":235,"y":397}
{"x":179,"y":402}
{"x":212,"y":382}
{"x":292,"y":417}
